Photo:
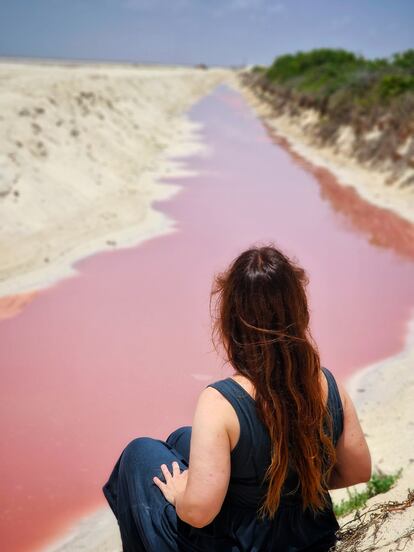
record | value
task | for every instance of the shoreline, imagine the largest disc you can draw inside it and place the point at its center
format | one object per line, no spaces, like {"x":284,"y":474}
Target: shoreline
{"x":383,"y":393}
{"x":369,"y":183}
{"x":154,"y":222}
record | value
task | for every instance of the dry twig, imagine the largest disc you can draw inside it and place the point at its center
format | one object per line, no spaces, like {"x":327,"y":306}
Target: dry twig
{"x":353,"y":533}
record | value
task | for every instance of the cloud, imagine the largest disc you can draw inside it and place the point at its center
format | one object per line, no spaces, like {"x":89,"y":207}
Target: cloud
{"x":340,"y":22}
{"x":237,"y":6}
{"x":216,"y":8}
{"x":276,"y":8}
{"x":153,"y":5}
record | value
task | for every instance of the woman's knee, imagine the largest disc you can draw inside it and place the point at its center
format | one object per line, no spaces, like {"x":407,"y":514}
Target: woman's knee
{"x":139,"y":450}
{"x":180,"y":440}
{"x":178,"y":434}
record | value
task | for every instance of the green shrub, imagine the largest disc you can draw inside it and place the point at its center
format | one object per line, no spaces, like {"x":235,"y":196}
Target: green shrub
{"x":404,"y":60}
{"x":323,"y":72}
{"x":391,"y":86}
{"x":323,"y":61}
{"x":379,"y":483}
{"x":344,"y":88}
{"x":258,"y":69}
{"x":354,"y":502}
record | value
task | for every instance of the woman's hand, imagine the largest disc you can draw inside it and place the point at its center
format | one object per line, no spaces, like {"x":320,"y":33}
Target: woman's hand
{"x":174,"y":485}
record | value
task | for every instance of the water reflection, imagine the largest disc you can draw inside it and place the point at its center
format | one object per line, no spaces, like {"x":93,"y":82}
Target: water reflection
{"x":382,"y":227}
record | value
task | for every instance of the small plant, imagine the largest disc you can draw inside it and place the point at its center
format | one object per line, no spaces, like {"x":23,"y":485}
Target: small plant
{"x":355,"y":501}
{"x":379,"y":483}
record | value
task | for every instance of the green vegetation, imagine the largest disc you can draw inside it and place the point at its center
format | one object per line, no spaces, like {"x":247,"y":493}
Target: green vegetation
{"x":259,"y":69}
{"x":323,"y":73}
{"x":330,"y":79}
{"x":346,"y":89}
{"x":379,"y":483}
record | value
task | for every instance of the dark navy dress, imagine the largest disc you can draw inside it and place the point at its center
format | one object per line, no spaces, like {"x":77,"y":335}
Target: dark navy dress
{"x":148,"y":522}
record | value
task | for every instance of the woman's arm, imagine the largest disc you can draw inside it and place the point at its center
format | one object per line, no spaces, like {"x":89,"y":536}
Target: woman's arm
{"x":209,"y":465}
{"x":353,"y":464}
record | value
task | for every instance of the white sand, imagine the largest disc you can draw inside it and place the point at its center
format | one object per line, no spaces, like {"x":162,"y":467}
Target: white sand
{"x":81,"y":150}
{"x":98,"y":533}
{"x":384,"y":397}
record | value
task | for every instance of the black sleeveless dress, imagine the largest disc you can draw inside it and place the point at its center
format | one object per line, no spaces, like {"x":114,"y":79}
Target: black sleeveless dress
{"x":148,"y":522}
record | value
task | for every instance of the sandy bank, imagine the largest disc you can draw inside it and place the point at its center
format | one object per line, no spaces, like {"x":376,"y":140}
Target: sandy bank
{"x":384,"y":394}
{"x":81,"y":148}
{"x":372,"y":183}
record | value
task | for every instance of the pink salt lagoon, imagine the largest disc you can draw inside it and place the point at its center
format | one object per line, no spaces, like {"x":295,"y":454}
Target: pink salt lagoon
{"x":124,"y":349}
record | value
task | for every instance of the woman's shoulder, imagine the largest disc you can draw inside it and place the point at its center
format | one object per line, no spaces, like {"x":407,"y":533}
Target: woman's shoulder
{"x":216,"y":392}
{"x":335,"y":387}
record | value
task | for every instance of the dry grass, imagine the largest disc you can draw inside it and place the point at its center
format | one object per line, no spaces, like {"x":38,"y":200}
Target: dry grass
{"x":361,"y":534}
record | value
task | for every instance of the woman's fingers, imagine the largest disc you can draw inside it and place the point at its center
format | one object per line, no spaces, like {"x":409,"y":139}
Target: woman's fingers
{"x":166,"y":473}
{"x":176,"y":468}
{"x":174,"y":483}
{"x":159,"y":483}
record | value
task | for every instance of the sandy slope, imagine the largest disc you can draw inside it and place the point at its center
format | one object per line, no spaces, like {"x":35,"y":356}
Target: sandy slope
{"x":80,"y":147}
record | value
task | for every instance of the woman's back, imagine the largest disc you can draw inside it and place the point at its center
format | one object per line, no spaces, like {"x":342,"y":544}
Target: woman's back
{"x":250,"y":457}
{"x":291,"y":529}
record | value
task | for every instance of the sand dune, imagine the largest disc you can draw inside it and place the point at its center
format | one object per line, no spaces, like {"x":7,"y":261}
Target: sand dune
{"x":80,"y":150}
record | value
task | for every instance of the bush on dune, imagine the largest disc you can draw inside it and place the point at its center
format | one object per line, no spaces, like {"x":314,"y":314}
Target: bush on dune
{"x":324,"y":72}
{"x":345,"y":89}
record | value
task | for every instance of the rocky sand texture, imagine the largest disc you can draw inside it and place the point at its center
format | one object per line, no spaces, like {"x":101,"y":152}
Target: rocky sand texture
{"x":81,"y":148}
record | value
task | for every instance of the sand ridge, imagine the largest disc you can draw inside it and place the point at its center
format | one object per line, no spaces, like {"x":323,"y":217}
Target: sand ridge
{"x":82,"y":149}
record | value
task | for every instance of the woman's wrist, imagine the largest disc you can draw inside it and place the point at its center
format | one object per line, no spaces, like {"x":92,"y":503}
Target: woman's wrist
{"x":178,"y":500}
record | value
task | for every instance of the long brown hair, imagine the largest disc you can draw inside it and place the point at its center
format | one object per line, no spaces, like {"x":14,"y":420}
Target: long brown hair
{"x":262,"y":319}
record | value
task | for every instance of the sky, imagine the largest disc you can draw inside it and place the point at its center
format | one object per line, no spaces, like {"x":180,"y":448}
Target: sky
{"x":214,"y":32}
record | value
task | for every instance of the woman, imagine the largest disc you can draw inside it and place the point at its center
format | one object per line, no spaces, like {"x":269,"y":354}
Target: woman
{"x":252,"y":473}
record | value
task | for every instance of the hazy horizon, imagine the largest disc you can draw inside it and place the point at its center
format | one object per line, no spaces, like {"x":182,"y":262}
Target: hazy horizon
{"x":189,"y":32}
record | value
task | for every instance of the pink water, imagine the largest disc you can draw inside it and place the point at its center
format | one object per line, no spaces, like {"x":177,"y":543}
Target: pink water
{"x":123,"y":350}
